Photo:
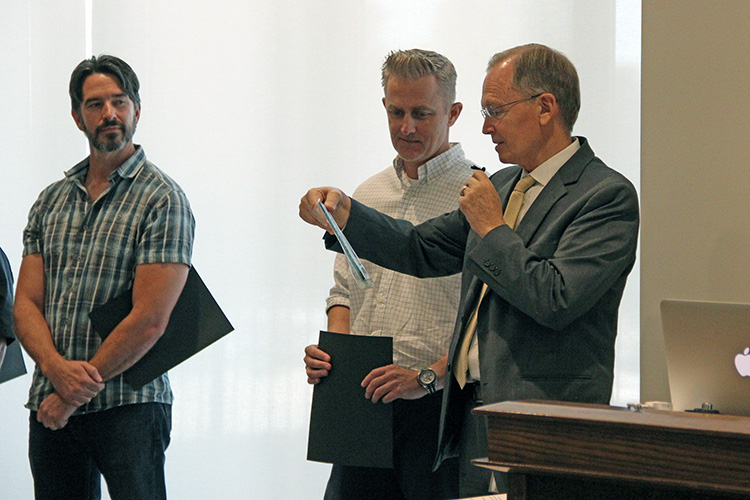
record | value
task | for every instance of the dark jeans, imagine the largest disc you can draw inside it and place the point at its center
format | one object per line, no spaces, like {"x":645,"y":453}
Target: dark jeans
{"x":125,"y":444}
{"x":415,"y":431}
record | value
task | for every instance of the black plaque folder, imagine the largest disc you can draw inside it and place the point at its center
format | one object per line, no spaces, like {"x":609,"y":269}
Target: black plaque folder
{"x":13,"y":365}
{"x":345,"y":427}
{"x":196,"y":322}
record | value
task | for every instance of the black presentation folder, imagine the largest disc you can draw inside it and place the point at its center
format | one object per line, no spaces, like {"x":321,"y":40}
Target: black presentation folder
{"x":13,"y":365}
{"x":196,"y":322}
{"x":345,"y":427}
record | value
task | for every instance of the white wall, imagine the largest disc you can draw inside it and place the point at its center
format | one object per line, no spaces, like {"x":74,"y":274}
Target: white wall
{"x":695,"y":120}
{"x":247,"y":105}
{"x":35,"y":144}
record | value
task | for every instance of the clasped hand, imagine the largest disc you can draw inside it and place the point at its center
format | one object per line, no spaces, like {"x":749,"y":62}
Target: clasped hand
{"x":76,"y":383}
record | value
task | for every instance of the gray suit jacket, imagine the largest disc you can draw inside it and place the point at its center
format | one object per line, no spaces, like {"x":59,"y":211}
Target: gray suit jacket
{"x":546,"y":328}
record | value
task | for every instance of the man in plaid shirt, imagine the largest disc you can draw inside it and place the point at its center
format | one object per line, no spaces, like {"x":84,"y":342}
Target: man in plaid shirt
{"x":115,"y":222}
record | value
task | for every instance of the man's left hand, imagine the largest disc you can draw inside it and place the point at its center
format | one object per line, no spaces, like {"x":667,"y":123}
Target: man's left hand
{"x":392,"y":382}
{"x":480,"y":204}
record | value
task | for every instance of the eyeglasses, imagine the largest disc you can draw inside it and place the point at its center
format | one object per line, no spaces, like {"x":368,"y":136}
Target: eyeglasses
{"x":498,"y":111}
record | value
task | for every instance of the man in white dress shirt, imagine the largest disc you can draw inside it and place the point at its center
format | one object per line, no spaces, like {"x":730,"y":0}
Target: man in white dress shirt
{"x":423,"y":182}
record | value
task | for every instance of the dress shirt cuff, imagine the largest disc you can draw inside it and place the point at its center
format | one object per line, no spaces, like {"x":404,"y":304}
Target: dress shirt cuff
{"x":333,"y":301}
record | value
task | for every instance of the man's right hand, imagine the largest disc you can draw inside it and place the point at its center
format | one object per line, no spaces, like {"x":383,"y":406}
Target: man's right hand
{"x":317,"y":364}
{"x":54,"y":412}
{"x":77,"y":382}
{"x":336,"y":202}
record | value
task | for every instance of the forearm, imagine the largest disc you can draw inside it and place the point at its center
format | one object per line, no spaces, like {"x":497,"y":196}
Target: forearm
{"x":156,"y":289}
{"x":126,"y":345}
{"x":76,"y":381}
{"x":338,"y":319}
{"x":439,"y":367}
{"x":34,"y":334}
{"x":317,"y":362}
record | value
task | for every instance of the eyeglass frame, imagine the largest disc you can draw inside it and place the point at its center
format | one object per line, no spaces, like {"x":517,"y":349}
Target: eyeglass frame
{"x":494,"y":111}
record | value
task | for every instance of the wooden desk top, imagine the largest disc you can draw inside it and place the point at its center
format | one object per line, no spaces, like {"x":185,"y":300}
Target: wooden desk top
{"x":732,"y":426}
{"x":682,"y":449}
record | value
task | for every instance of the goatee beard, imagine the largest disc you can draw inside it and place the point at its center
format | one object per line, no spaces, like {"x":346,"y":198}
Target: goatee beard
{"x":110,"y":144}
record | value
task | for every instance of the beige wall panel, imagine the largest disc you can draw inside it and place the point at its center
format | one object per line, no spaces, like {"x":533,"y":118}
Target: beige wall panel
{"x":695,"y":169}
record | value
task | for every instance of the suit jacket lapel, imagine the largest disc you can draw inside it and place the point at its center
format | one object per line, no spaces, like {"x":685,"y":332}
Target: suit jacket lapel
{"x":555,"y":189}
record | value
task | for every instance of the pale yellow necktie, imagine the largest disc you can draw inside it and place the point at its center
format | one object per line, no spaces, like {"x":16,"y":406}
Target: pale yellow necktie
{"x":512,"y":209}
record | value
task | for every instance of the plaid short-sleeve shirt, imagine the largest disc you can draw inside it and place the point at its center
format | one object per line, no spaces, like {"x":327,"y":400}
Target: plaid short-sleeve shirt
{"x":90,"y":250}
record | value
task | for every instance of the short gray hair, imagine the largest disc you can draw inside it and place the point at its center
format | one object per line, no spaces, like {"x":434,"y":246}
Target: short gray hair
{"x":539,"y":69}
{"x":415,"y":63}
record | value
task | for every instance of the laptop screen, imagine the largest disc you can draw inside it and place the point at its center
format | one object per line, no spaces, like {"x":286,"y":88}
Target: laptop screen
{"x":707,"y":346}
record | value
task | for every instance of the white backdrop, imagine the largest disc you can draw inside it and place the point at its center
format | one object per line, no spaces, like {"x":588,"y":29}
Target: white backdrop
{"x":247,"y":105}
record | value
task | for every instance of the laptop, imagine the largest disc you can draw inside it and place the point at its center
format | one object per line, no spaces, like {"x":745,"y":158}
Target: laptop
{"x":708,"y":355}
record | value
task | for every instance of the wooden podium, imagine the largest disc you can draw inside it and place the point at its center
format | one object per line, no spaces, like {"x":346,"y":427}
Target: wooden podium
{"x":572,"y":451}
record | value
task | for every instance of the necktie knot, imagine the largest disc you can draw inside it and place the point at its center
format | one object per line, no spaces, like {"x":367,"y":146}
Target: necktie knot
{"x":524,"y":184}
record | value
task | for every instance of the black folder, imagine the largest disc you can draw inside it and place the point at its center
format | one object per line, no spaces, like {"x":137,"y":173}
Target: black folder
{"x":345,"y":427}
{"x":196,"y":322}
{"x":13,"y":365}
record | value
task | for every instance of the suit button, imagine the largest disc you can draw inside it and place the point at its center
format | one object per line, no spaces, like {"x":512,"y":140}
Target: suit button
{"x":487,"y":263}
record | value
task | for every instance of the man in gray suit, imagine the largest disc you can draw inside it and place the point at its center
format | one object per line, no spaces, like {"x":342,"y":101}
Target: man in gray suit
{"x":545,"y":327}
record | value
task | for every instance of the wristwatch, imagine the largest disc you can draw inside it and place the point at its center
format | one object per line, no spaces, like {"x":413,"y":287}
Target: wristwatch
{"x":427,"y":378}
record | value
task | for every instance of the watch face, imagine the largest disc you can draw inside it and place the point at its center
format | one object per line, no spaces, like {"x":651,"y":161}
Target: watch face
{"x":427,"y":377}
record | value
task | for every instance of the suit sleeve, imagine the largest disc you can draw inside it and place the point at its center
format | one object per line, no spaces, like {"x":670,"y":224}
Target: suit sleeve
{"x":432,"y":249}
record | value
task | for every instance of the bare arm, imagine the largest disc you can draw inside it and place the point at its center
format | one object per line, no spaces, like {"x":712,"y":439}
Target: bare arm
{"x":317,"y":362}
{"x":77,"y":382}
{"x":156,"y":289}
{"x":338,"y":319}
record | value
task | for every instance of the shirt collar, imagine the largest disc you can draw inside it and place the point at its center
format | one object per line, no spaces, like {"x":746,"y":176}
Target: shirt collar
{"x":544,"y":172}
{"x":433,"y":168}
{"x":129,"y":168}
